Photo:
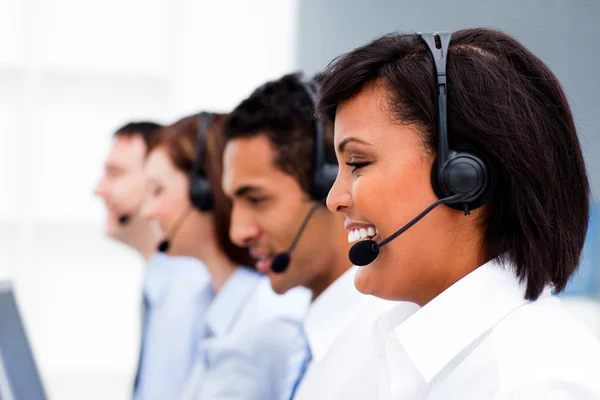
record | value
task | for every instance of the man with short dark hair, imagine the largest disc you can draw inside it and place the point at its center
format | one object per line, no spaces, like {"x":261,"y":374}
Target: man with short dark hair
{"x":123,"y":188}
{"x":278,"y":183}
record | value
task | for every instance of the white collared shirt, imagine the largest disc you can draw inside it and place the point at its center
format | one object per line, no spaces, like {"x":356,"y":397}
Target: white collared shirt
{"x":480,"y":339}
{"x":251,"y":333}
{"x":339,"y":326}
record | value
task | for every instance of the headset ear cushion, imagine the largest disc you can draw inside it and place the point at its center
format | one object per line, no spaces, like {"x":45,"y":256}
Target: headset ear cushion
{"x":490,"y":184}
{"x":201,"y":194}
{"x":324,"y":180}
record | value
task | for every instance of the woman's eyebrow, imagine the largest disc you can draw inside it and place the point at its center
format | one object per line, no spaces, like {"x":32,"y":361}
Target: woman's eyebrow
{"x":351,"y":139}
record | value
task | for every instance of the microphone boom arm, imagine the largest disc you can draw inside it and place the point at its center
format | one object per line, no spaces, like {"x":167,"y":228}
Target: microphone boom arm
{"x":451,"y":199}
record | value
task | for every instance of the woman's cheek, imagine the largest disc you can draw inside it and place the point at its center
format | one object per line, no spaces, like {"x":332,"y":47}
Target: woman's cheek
{"x":371,"y":197}
{"x":360,"y":194}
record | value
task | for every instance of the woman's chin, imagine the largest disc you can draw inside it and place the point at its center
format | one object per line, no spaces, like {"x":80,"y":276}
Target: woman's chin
{"x":363,"y":280}
{"x":373,"y":280}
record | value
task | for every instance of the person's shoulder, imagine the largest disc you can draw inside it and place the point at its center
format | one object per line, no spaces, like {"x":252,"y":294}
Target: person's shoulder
{"x":188,"y":272}
{"x":278,"y":332}
{"x":542,"y":342}
{"x":291,"y":305}
{"x":184,"y":265}
{"x":269,"y":342}
{"x":544,"y":322}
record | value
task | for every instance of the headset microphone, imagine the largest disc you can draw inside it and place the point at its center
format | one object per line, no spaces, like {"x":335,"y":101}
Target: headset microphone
{"x":366,"y":251}
{"x":126,"y":217}
{"x":282,"y":260}
{"x":164,"y":244}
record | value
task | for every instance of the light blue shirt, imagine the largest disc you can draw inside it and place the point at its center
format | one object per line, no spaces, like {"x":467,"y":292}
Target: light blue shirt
{"x":177,"y":292}
{"x":252,"y":332}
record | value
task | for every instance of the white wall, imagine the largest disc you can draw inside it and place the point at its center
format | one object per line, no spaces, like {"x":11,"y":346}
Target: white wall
{"x":70,"y":73}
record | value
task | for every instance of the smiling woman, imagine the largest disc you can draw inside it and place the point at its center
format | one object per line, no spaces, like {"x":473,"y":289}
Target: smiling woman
{"x":173,"y":165}
{"x":475,"y":121}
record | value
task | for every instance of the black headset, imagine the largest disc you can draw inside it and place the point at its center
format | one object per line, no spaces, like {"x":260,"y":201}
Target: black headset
{"x":462,"y":168}
{"x":325,"y":172}
{"x":200,"y":190}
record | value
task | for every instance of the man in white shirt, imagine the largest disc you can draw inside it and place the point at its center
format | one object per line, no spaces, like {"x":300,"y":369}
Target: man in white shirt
{"x":176,"y":290}
{"x":278,"y":171}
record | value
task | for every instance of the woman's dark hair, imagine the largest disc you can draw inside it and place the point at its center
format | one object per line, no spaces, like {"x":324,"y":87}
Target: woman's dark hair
{"x":506,"y":101}
{"x":179,"y":140}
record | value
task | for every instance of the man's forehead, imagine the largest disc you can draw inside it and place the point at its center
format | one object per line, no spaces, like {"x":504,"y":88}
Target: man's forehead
{"x":249,"y":156}
{"x":249,"y":165}
{"x":127,"y":152}
{"x":132,"y":143}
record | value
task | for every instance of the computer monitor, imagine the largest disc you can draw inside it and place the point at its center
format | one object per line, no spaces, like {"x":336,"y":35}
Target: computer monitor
{"x":19,"y":377}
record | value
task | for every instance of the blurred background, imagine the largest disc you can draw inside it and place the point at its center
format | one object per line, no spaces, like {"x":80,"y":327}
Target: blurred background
{"x":72,"y":71}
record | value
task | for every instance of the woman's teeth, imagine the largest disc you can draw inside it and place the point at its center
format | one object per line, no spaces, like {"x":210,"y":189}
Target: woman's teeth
{"x":362,"y":233}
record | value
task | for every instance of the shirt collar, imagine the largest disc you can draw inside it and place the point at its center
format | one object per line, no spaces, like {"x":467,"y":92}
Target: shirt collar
{"x":227,"y":306}
{"x":162,"y":271}
{"x":331,"y":312}
{"x":435,"y":334}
